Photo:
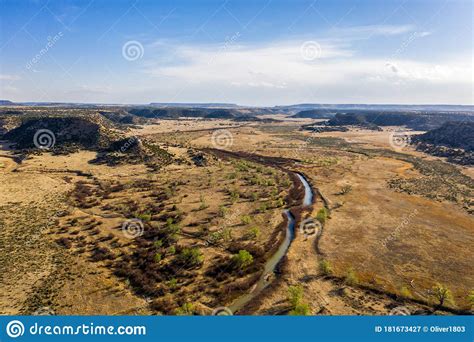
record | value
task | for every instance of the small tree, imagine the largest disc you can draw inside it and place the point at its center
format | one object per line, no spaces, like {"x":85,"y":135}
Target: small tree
{"x":246,"y":219}
{"x":351,"y":277}
{"x":322,"y":215}
{"x":301,"y":310}
{"x":442,"y":294}
{"x":325,"y":267}
{"x":191,"y":256}
{"x":253,"y":233}
{"x":223,"y":211}
{"x":405,"y":292}
{"x":470,"y":298}
{"x":157,"y":257}
{"x":243,"y":259}
{"x":187,"y":309}
{"x":295,"y":295}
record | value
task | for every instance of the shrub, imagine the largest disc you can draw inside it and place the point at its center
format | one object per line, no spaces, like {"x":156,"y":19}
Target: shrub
{"x":405,"y":292}
{"x":295,"y":295}
{"x":442,"y":294}
{"x":253,"y":233}
{"x":470,"y":298}
{"x":301,"y":310}
{"x":191,"y":256}
{"x":172,"y":250}
{"x":157,"y":257}
{"x":187,"y":309}
{"x":243,"y":259}
{"x":263,"y":207}
{"x":351,"y":277}
{"x":322,"y":215}
{"x":325,"y":267}
{"x":145,"y":217}
{"x":246,"y":219}
{"x":223,"y":211}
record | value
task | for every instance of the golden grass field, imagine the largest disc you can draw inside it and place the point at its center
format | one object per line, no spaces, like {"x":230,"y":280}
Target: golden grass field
{"x":396,"y":243}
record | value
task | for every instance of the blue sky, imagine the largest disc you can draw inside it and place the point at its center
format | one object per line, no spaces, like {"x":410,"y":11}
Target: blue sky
{"x":246,"y":52}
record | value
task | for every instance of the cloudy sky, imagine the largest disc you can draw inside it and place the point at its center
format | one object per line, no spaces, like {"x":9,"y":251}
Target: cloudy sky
{"x":246,"y":52}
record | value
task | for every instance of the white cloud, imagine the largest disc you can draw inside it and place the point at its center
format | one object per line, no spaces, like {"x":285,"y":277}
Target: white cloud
{"x":277,"y":72}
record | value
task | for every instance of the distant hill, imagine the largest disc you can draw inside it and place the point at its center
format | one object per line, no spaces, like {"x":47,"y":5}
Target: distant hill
{"x":314,"y":114}
{"x":415,"y":121}
{"x":454,"y":140}
{"x":6,"y":103}
{"x":193,"y":105}
{"x":88,"y":132}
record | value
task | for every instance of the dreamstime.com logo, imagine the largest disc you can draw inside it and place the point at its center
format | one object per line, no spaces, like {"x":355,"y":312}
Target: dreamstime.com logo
{"x":132,"y":50}
{"x":310,"y":227}
{"x":133,"y":228}
{"x":310,"y":50}
{"x":15,"y":329}
{"x":222,"y":138}
{"x":44,"y":139}
{"x":399,"y":140}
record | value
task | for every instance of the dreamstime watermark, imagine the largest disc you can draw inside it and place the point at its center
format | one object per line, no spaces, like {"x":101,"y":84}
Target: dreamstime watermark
{"x":406,"y":220}
{"x":399,"y":140}
{"x":49,"y":45}
{"x":222,"y":138}
{"x":15,"y":329}
{"x":228,"y":43}
{"x":44,"y":139}
{"x":133,"y":228}
{"x":130,"y":142}
{"x":310,"y":50}
{"x":222,"y":311}
{"x":310,"y":227}
{"x":132,"y":50}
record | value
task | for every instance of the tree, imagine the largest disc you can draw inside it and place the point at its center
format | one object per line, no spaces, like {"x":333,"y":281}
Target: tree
{"x":243,"y":259}
{"x":470,"y":298}
{"x":191,"y":256}
{"x":187,"y":309}
{"x":253,"y":233}
{"x":442,"y":294}
{"x":322,"y":215}
{"x":351,"y":277}
{"x":325,"y":267}
{"x":295,"y":297}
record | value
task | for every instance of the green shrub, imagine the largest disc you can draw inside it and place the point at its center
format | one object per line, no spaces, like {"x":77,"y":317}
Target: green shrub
{"x":223,"y":211}
{"x":322,"y":215}
{"x":325,"y":267}
{"x":295,"y":295}
{"x":253,"y":233}
{"x":405,"y":292}
{"x":470,"y":298}
{"x":145,"y":217}
{"x":442,"y":294}
{"x":246,"y":219}
{"x":187,"y":309}
{"x":191,"y":256}
{"x":301,"y":310}
{"x":243,"y":259}
{"x":351,"y":277}
{"x":157,"y":257}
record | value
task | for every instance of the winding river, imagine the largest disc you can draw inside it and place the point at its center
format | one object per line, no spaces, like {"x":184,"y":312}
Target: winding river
{"x":271,"y":263}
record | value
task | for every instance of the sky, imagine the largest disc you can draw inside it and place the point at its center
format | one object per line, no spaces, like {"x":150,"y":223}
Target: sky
{"x":256,"y":53}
